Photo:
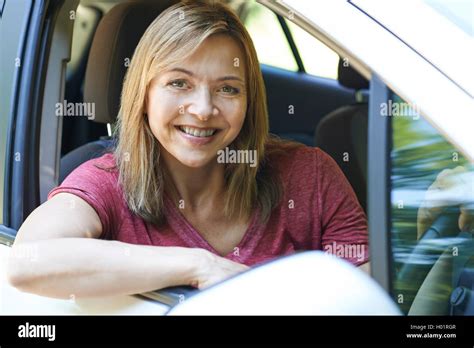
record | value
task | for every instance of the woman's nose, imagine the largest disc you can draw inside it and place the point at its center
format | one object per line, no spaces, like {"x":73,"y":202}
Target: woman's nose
{"x":202,"y":106}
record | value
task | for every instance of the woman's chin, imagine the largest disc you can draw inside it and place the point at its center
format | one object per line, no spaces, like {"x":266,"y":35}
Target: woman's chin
{"x":196,"y":162}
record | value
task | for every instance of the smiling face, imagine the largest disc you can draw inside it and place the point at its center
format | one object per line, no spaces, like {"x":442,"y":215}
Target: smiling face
{"x":197,"y":106}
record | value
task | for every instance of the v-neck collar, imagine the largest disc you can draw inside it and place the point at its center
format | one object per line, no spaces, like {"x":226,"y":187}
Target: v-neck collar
{"x":194,"y":238}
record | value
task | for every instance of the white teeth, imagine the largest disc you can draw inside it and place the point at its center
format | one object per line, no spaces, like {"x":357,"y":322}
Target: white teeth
{"x":197,"y":132}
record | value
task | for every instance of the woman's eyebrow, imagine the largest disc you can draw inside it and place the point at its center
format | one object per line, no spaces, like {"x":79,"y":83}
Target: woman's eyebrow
{"x":182,"y":70}
{"x":223,"y":78}
{"x":230,"y":77}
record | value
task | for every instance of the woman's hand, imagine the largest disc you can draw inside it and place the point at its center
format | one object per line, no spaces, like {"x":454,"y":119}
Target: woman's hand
{"x":452,"y":187}
{"x":214,"y":269}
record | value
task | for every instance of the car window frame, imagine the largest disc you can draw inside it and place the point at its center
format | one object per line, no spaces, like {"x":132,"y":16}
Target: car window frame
{"x":22,"y":14}
{"x":291,"y":43}
{"x":22,"y":155}
{"x":452,"y":67}
{"x":379,"y":185}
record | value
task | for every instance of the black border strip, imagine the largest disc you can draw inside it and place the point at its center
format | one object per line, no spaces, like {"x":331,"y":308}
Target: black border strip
{"x":243,"y":330}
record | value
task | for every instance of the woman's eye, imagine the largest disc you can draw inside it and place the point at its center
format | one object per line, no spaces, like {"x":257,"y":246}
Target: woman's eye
{"x":230,"y":90}
{"x":180,"y":84}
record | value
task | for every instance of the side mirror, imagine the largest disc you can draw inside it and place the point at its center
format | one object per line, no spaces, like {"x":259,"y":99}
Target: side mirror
{"x":307,"y":283}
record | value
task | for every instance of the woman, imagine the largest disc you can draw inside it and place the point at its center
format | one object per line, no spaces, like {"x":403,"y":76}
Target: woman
{"x":196,"y":190}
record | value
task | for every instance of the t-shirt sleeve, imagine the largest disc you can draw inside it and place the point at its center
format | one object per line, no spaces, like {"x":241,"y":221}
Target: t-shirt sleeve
{"x":343,"y":221}
{"x":97,"y":187}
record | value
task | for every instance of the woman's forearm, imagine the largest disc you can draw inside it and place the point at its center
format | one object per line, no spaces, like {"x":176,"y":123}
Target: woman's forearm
{"x":80,"y":267}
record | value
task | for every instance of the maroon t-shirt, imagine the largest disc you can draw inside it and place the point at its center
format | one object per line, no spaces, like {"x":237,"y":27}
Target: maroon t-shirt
{"x":319,"y":211}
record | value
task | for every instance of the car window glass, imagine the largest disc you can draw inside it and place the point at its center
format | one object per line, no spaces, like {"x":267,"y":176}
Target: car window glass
{"x":433,"y":269}
{"x":318,"y":59}
{"x":268,"y":37}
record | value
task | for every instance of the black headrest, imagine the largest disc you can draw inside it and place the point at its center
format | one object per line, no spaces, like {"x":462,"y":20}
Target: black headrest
{"x":115,"y":41}
{"x":350,"y":78}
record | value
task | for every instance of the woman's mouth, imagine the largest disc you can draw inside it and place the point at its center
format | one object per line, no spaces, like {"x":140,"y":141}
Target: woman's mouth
{"x":198,"y":132}
{"x":197,"y":136}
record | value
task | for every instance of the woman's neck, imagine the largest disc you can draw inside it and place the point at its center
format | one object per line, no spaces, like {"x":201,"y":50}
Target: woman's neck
{"x":197,"y":188}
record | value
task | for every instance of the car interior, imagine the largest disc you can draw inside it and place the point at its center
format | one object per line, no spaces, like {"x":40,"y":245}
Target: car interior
{"x":329,"y":114}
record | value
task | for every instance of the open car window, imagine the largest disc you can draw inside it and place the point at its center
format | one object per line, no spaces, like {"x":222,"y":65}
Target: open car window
{"x":433,"y":267}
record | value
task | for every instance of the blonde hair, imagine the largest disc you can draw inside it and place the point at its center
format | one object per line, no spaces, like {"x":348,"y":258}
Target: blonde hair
{"x":172,"y":36}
